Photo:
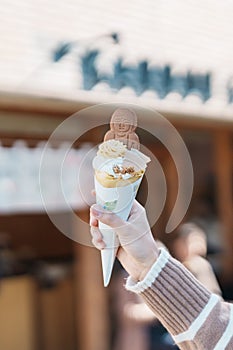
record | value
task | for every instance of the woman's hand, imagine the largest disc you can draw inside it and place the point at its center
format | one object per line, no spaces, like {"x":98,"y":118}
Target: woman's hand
{"x":138,"y":250}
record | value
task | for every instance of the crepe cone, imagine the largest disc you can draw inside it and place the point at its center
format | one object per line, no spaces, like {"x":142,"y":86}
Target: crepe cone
{"x":118,"y":199}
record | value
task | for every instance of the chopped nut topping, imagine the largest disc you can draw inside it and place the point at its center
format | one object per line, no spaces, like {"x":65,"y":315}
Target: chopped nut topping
{"x":130,"y":170}
{"x":116,"y":169}
{"x":123,"y":170}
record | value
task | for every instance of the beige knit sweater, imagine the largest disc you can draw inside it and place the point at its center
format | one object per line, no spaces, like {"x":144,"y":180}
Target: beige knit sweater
{"x":196,"y":319}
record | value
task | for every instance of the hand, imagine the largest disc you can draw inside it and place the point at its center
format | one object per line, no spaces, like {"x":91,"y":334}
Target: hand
{"x":138,"y":250}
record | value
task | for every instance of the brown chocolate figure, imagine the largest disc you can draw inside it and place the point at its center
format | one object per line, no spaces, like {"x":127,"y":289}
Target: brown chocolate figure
{"x":122,"y":126}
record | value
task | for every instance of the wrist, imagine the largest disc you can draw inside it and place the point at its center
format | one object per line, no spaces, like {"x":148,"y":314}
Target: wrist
{"x":145,"y":268}
{"x":155,"y":270}
{"x":144,"y":264}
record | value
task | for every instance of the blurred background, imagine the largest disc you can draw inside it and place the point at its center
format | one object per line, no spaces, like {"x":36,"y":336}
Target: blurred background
{"x":57,"y":58}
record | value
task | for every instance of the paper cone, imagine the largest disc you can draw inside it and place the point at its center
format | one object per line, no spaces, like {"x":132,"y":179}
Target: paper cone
{"x":119,"y":200}
{"x":116,"y":192}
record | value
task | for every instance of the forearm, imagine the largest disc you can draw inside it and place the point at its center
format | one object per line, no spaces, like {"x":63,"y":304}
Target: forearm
{"x":195,"y":317}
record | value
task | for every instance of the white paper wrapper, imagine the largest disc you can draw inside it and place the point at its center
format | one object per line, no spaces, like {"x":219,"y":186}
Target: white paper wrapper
{"x":118,"y":200}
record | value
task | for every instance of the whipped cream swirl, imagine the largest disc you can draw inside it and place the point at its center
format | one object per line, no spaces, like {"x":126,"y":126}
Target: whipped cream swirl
{"x":112,"y":149}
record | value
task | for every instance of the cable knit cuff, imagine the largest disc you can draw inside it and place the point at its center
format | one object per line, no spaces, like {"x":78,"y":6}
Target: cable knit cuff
{"x":139,"y":287}
{"x":172,"y":292}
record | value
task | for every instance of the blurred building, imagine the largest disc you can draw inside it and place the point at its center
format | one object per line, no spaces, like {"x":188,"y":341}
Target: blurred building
{"x":57,"y":58}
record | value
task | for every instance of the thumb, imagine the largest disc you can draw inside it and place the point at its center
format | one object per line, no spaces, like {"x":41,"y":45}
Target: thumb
{"x":107,"y":217}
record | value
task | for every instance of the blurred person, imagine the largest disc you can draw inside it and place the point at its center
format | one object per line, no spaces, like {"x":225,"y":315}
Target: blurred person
{"x":190,"y":247}
{"x":204,"y":214}
{"x":195,"y":317}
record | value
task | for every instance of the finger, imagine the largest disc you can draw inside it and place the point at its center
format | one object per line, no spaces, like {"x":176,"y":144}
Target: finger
{"x":98,"y":244}
{"x":93,"y":221}
{"x":108,"y":218}
{"x":96,"y":234}
{"x":97,"y":238}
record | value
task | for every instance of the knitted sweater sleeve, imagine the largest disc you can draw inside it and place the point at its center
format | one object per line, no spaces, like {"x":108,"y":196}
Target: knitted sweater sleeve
{"x":196,"y":319}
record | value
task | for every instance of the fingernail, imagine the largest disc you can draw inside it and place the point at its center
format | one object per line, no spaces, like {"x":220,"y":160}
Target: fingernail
{"x":97,"y":211}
